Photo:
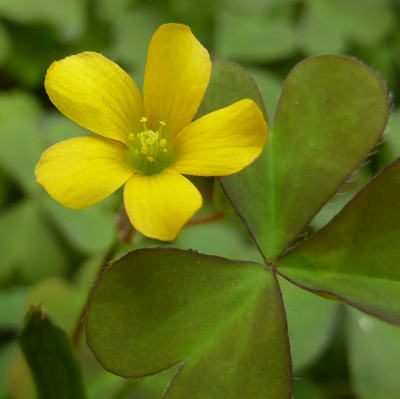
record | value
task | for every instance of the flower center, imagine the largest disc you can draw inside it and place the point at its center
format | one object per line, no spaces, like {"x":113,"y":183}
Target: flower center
{"x":150,"y":151}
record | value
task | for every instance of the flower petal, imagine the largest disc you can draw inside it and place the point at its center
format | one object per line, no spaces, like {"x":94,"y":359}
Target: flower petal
{"x":177,"y":73}
{"x":222,"y":142}
{"x":82,"y":171}
{"x":95,"y":93}
{"x":159,"y":205}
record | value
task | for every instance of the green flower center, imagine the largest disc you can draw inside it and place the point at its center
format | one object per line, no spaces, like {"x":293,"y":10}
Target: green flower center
{"x":150,"y":151}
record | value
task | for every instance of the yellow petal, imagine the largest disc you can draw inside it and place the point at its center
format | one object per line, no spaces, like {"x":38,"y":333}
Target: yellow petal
{"x":159,"y":205}
{"x":95,"y":93}
{"x":178,"y":70}
{"x":82,"y":171}
{"x":222,"y":142}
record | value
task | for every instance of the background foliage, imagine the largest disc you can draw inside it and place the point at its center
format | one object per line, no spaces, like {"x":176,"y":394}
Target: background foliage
{"x":51,"y":255}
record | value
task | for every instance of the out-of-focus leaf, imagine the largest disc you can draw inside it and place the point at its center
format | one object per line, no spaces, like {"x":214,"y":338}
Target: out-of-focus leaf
{"x":61,"y":300}
{"x":29,"y":250}
{"x":356,"y":256}
{"x":264,"y":37}
{"x":306,"y":389}
{"x":20,"y":144}
{"x":90,"y":230}
{"x":222,"y":319}
{"x":67,"y":16}
{"x":20,"y":382}
{"x":11,"y":307}
{"x":218,"y":238}
{"x":391,"y":140}
{"x":252,"y":6}
{"x":5,"y":44}
{"x":132,"y":34}
{"x":7,"y":354}
{"x":331,"y":113}
{"x":329,"y":26}
{"x":374,"y":357}
{"x":343,"y":196}
{"x":34,"y":49}
{"x":55,"y":128}
{"x":270,"y":88}
{"x":54,"y":367}
{"x":229,"y":83}
{"x":310,"y":320}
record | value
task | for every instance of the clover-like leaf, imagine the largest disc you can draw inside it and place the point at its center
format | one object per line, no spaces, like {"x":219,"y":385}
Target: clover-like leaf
{"x":331,"y":113}
{"x":223,"y":321}
{"x":356,"y":256}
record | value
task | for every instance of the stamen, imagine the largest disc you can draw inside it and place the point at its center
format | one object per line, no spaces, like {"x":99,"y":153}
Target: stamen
{"x":163,"y":143}
{"x":131,"y":136}
{"x":150,"y":159}
{"x":143,"y":120}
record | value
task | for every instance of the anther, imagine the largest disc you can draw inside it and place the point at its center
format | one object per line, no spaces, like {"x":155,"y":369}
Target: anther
{"x":163,"y":143}
{"x":150,"y":159}
{"x":144,"y":150}
{"x":131,"y":136}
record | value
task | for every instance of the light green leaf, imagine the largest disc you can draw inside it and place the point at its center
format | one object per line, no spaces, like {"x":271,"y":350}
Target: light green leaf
{"x":332,"y":26}
{"x":61,"y":300}
{"x":54,"y":367}
{"x":374,"y":357}
{"x":11,"y":306}
{"x":355,"y":257}
{"x":310,"y":321}
{"x":20,"y":144}
{"x":229,"y":83}
{"x":262,"y":37}
{"x":30,"y":251}
{"x":7,"y":354}
{"x":69,"y":17}
{"x":331,"y":113}
{"x":206,"y":238}
{"x":222,"y":320}
{"x":5,"y":44}
{"x":90,"y":230}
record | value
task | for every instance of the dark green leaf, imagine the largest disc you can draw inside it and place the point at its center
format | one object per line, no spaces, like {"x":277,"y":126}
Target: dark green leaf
{"x":356,"y":256}
{"x":54,"y":367}
{"x":331,"y":113}
{"x":222,"y":320}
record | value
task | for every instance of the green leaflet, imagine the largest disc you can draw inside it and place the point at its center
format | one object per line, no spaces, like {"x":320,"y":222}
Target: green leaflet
{"x":222,"y":320}
{"x":47,"y":349}
{"x":356,"y":256}
{"x":331,"y":113}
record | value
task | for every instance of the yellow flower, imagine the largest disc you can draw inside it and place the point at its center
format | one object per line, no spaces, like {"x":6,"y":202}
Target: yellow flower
{"x":146,"y":143}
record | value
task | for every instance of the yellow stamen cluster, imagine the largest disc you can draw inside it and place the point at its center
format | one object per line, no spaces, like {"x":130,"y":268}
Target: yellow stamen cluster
{"x":149,"y":146}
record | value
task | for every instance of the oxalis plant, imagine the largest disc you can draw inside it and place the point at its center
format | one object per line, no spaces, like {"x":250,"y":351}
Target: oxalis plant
{"x":220,"y":322}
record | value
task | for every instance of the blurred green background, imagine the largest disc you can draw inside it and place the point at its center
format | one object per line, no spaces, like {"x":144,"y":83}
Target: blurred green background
{"x":51,"y":255}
